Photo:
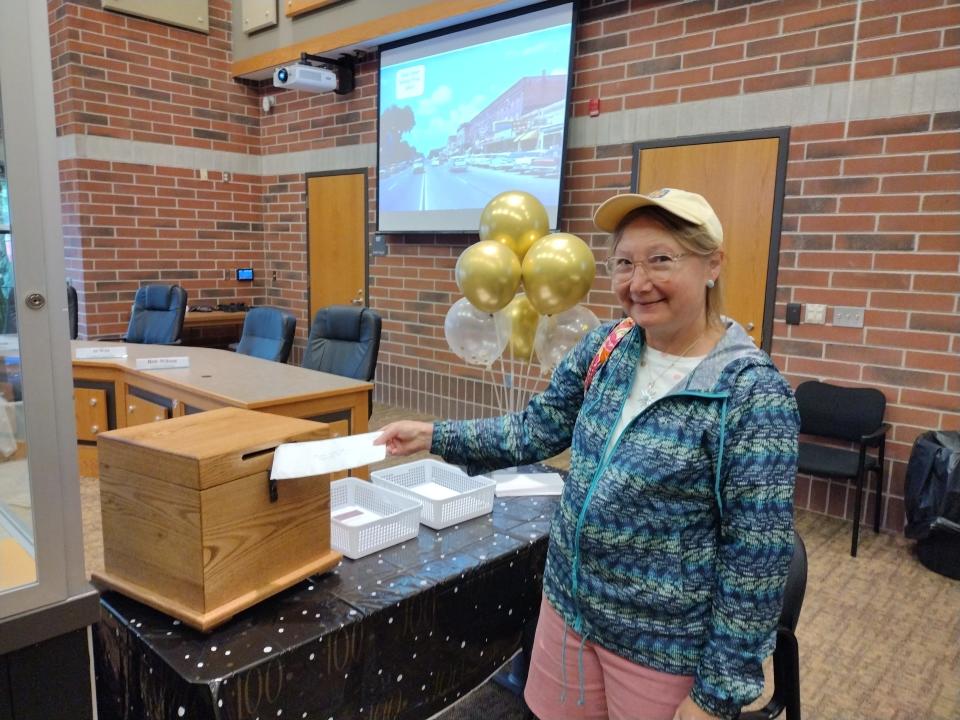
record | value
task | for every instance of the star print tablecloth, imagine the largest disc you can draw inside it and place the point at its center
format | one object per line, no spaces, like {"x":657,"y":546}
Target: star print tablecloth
{"x":399,"y":634}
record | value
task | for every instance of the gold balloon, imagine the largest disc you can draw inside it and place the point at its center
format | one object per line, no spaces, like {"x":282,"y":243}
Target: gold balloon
{"x":516,"y":219}
{"x":488,"y":274}
{"x":523,"y":327}
{"x":558,"y":272}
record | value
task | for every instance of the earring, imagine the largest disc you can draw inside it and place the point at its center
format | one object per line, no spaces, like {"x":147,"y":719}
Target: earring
{"x":710,"y":283}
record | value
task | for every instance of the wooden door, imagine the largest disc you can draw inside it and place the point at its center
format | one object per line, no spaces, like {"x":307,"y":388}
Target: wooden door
{"x":740,"y":180}
{"x":337,"y":239}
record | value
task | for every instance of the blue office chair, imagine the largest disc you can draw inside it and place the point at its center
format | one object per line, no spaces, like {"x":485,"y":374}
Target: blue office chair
{"x":344,"y":340}
{"x":267,"y":333}
{"x":157,"y":315}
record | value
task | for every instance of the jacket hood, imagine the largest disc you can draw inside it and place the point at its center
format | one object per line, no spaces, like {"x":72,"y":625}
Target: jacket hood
{"x":735,"y":351}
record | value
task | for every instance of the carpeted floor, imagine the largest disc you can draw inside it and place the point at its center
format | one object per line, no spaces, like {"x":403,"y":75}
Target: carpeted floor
{"x":879,"y":634}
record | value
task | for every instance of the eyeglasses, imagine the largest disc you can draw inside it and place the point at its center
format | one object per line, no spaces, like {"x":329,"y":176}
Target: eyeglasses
{"x":657,"y":267}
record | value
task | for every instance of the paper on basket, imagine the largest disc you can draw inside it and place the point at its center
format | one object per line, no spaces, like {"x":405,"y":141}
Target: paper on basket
{"x":433,"y":491}
{"x":522,"y":484}
{"x":295,"y":460}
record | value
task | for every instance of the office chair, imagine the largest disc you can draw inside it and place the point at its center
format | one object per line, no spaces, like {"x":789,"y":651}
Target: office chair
{"x":851,"y":414}
{"x":72,"y":311}
{"x":267,"y":333}
{"x":344,"y":340}
{"x":157,"y":315}
{"x":786,"y":653}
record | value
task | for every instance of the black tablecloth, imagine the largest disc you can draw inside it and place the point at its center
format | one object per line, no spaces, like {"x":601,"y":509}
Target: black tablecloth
{"x":398,"y":634}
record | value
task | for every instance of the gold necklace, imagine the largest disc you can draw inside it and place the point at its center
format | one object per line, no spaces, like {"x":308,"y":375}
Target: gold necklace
{"x":647,"y":394}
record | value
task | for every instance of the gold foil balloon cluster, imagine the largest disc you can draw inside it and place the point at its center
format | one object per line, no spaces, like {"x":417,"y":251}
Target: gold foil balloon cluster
{"x":555,"y":269}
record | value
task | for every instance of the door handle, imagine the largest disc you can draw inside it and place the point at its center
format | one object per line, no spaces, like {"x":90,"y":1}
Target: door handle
{"x":358,"y":298}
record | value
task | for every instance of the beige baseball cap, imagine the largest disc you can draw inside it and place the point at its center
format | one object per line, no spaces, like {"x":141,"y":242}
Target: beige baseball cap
{"x":686,"y":205}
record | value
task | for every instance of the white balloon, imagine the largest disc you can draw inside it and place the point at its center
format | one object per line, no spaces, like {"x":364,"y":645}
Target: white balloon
{"x":557,"y":334}
{"x":475,"y":336}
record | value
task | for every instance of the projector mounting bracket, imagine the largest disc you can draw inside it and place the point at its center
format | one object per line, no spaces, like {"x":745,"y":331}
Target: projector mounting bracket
{"x":343,"y":67}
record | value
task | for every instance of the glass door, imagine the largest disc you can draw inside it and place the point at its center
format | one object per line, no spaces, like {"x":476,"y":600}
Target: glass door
{"x":41,"y":541}
{"x":17,"y":549}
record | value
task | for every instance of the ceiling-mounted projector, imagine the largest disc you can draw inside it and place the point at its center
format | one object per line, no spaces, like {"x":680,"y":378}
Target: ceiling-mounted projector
{"x":306,"y":78}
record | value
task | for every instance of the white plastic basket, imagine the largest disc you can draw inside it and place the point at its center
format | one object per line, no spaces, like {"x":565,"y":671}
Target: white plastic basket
{"x":447,"y":494}
{"x":365,"y":518}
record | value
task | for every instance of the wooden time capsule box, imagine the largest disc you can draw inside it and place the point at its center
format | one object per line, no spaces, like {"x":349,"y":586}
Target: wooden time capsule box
{"x":192,"y":524}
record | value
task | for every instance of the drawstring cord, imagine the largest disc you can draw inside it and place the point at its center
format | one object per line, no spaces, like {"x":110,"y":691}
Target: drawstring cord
{"x":582,"y":696}
{"x":563,"y":665}
{"x":582,"y":699}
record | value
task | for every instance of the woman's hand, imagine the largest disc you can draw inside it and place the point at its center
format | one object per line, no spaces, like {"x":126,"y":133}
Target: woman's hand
{"x":406,"y":437}
{"x":689,"y":710}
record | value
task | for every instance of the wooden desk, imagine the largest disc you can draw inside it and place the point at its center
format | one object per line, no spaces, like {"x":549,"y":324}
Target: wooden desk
{"x":112,"y":393}
{"x":214,"y":317}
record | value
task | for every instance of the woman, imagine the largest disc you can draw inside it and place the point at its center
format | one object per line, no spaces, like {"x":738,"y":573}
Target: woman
{"x":670,"y":548}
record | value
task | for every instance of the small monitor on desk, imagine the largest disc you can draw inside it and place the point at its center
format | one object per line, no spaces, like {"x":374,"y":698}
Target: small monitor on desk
{"x":244,"y":274}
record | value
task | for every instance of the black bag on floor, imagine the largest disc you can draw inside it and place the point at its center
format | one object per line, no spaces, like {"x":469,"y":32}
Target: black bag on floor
{"x":932,"y":500}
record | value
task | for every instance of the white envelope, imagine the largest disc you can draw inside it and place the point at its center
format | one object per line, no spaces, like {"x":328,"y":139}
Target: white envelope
{"x":294,"y":460}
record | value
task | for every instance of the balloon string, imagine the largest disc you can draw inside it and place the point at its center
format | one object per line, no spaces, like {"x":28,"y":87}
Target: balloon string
{"x":528,"y":386}
{"x":496,"y":388}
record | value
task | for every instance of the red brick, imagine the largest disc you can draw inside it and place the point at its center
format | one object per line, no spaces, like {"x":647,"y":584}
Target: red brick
{"x":820,"y":18}
{"x":782,"y":44}
{"x":712,"y":90}
{"x":685,"y":9}
{"x":884,"y":165}
{"x":933,"y":400}
{"x":823,"y":368}
{"x":777,"y":80}
{"x":777,"y":8}
{"x":831,"y":74}
{"x":935,"y":322}
{"x":930,"y":19}
{"x":880,"y":204}
{"x":750,"y":31}
{"x":823,"y":131}
{"x":837,"y":223}
{"x":873,"y":69}
{"x":831,"y":296}
{"x":756,"y":66}
{"x":855,"y":354}
{"x":927,"y":142}
{"x":814,"y":168}
{"x":880,"y":8}
{"x":920,"y":183}
{"x":937,"y":283}
{"x":835,"y":261}
{"x":930,"y":302}
{"x":842,"y":148}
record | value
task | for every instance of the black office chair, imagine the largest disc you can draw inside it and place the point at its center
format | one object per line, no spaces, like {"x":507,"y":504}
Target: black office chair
{"x":344,"y":340}
{"x":786,"y":653}
{"x":157,"y":315}
{"x":72,"y":311}
{"x":851,"y":414}
{"x":267,"y":333}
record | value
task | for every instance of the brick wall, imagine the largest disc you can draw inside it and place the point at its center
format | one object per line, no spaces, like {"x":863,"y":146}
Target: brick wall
{"x":134,"y":84}
{"x":871,"y":217}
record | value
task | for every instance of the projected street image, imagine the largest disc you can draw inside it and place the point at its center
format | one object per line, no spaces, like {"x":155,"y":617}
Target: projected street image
{"x":469,"y":121}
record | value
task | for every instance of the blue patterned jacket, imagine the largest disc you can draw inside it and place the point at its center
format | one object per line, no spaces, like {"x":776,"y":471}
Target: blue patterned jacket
{"x":673,"y":553}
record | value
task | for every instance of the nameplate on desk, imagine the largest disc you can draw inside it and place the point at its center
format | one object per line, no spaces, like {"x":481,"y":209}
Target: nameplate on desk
{"x":101,"y":353}
{"x":163,"y":363}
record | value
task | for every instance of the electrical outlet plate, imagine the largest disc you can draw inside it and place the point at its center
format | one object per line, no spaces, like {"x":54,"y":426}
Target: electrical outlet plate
{"x":848,"y":317}
{"x":814,"y":314}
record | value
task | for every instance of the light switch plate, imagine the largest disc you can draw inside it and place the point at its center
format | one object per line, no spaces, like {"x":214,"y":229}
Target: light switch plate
{"x":848,"y":317}
{"x":814,"y":314}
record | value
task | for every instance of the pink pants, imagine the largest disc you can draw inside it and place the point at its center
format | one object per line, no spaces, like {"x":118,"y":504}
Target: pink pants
{"x":613,"y":686}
